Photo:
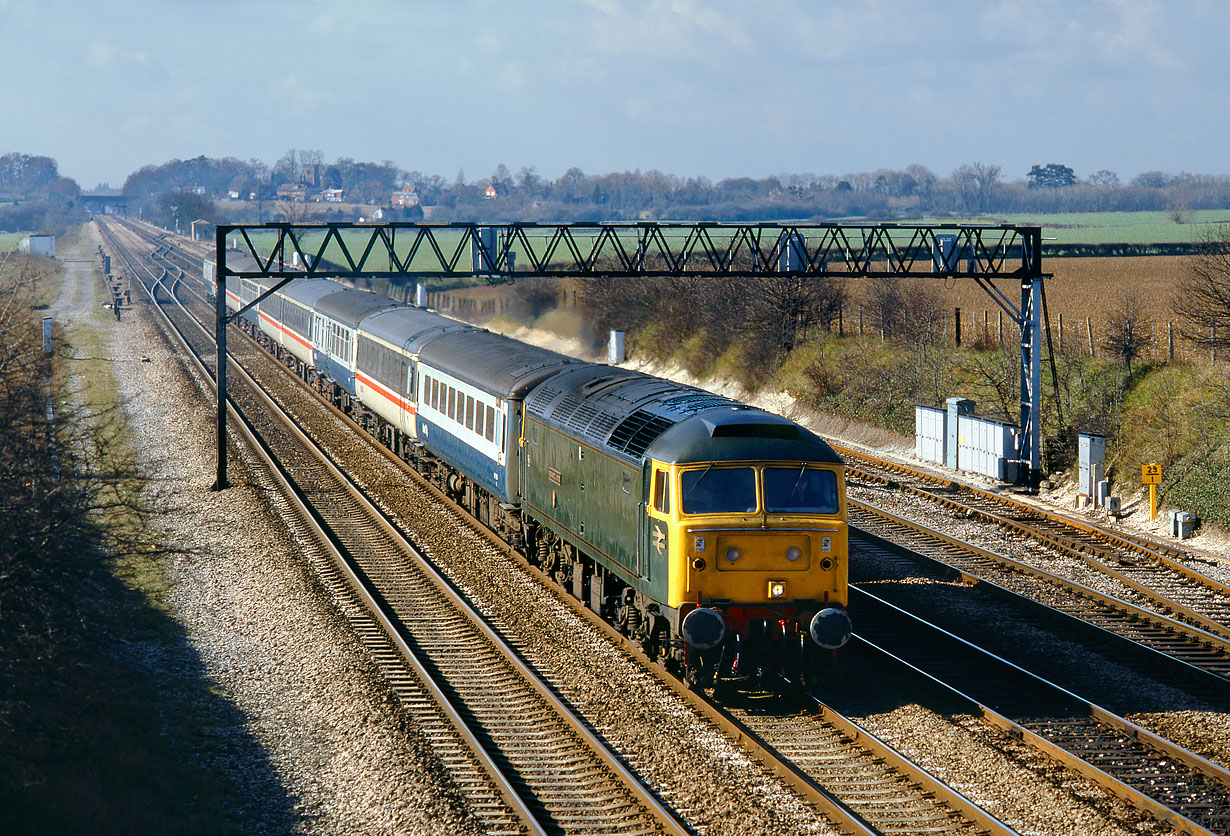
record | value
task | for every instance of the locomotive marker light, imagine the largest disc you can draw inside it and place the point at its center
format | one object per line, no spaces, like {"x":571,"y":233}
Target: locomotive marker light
{"x":1151,"y":475}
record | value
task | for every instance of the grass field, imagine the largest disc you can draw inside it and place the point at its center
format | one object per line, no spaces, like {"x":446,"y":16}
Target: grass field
{"x":8,"y":241}
{"x":1117,"y":227}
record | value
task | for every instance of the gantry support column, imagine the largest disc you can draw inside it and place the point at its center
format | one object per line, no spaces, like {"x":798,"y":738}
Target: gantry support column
{"x":220,"y":336}
{"x":1029,"y":452}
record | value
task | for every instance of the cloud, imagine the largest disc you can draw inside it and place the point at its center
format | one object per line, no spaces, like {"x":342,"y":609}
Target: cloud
{"x":137,"y":124}
{"x":511,"y":76}
{"x":679,"y":28}
{"x":1135,"y":34}
{"x":105,"y":57}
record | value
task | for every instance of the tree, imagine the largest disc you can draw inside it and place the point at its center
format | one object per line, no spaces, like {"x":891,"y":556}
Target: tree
{"x":1203,"y":298}
{"x":1104,"y":178}
{"x":1050,"y":176}
{"x":1126,"y":336}
{"x":1152,"y":180}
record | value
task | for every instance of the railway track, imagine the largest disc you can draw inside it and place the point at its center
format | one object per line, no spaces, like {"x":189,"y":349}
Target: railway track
{"x":857,"y":780}
{"x":1154,"y":575}
{"x":1203,"y":658}
{"x":861,"y":789}
{"x":549,"y":769}
{"x":1186,"y":791}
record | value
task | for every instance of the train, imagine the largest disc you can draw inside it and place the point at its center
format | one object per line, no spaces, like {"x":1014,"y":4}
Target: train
{"x":711,"y":532}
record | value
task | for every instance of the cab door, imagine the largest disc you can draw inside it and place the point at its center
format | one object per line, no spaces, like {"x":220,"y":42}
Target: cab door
{"x":657,"y":525}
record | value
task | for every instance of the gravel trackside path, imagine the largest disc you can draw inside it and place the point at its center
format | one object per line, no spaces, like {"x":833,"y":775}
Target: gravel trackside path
{"x":312,"y":707}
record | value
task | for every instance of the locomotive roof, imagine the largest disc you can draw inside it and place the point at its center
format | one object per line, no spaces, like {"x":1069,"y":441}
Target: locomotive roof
{"x":411,"y":328}
{"x":634,"y":414}
{"x":493,"y":362}
{"x":739,"y":433}
{"x":349,"y":306}
{"x":308,"y":291}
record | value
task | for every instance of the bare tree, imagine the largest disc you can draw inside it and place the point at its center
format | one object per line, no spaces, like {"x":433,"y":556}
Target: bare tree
{"x":292,"y":211}
{"x":1203,"y":297}
{"x":1127,"y":336}
{"x":905,"y":312}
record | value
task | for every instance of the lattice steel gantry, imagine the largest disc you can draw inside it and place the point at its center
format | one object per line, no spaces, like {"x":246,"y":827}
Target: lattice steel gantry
{"x":504,"y":252}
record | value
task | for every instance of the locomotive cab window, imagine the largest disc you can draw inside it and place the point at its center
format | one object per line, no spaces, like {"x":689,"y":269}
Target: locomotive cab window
{"x":719,"y":490}
{"x":800,"y":490}
{"x":661,"y":496}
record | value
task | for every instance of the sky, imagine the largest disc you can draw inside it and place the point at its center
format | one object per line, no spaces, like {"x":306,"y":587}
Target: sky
{"x":713,"y":88}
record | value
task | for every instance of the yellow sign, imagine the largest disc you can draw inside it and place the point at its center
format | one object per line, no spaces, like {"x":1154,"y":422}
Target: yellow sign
{"x":1151,"y":474}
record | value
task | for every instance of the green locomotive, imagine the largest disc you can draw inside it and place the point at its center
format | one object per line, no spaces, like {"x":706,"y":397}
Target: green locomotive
{"x":712,"y":531}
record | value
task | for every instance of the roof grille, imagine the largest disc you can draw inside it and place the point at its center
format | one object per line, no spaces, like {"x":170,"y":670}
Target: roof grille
{"x":582,"y":416}
{"x":542,"y":396}
{"x":638,"y":431}
{"x":691,"y":404}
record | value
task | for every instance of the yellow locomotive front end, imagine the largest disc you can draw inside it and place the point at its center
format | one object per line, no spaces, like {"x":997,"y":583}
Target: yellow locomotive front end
{"x":759,"y":556}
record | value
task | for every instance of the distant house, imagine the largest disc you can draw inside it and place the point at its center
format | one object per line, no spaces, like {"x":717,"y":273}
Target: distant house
{"x":405,"y":196}
{"x":232,"y":195}
{"x":293,"y":192}
{"x":195,"y":189}
{"x":491,"y":193}
{"x":332,"y":195}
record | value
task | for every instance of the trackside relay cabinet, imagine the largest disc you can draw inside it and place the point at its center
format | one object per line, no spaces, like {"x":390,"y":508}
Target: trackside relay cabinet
{"x":1092,"y":462}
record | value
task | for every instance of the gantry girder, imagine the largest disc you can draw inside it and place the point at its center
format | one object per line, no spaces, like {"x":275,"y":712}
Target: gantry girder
{"x":504,"y":252}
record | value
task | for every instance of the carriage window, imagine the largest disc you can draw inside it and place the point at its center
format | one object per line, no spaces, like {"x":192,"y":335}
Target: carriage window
{"x":719,"y":490}
{"x":469,"y":413}
{"x":452,"y":403}
{"x":479,"y":415}
{"x":490,"y":434}
{"x":800,"y":490}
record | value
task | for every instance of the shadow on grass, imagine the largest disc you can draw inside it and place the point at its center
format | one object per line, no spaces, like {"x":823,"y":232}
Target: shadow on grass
{"x":109,"y":722}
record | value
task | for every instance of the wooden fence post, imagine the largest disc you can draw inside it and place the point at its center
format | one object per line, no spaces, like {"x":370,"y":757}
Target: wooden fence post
{"x":956,"y":313}
{"x":1061,"y":333}
{"x":1000,"y":341}
{"x":1170,"y":339}
{"x":1089,"y":332}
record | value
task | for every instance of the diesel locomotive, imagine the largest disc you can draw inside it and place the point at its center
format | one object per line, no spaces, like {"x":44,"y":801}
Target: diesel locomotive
{"x":712,"y":532}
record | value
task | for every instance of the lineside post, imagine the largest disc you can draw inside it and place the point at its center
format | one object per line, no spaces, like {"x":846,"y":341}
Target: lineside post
{"x":220,"y":336}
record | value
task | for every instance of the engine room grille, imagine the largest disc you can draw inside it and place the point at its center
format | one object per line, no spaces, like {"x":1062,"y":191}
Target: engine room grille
{"x":691,"y":404}
{"x":638,"y":431}
{"x":541,"y":397}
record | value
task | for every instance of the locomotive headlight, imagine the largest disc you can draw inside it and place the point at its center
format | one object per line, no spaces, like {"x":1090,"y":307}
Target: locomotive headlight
{"x":733,"y":554}
{"x":777,"y":589}
{"x":793,"y":553}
